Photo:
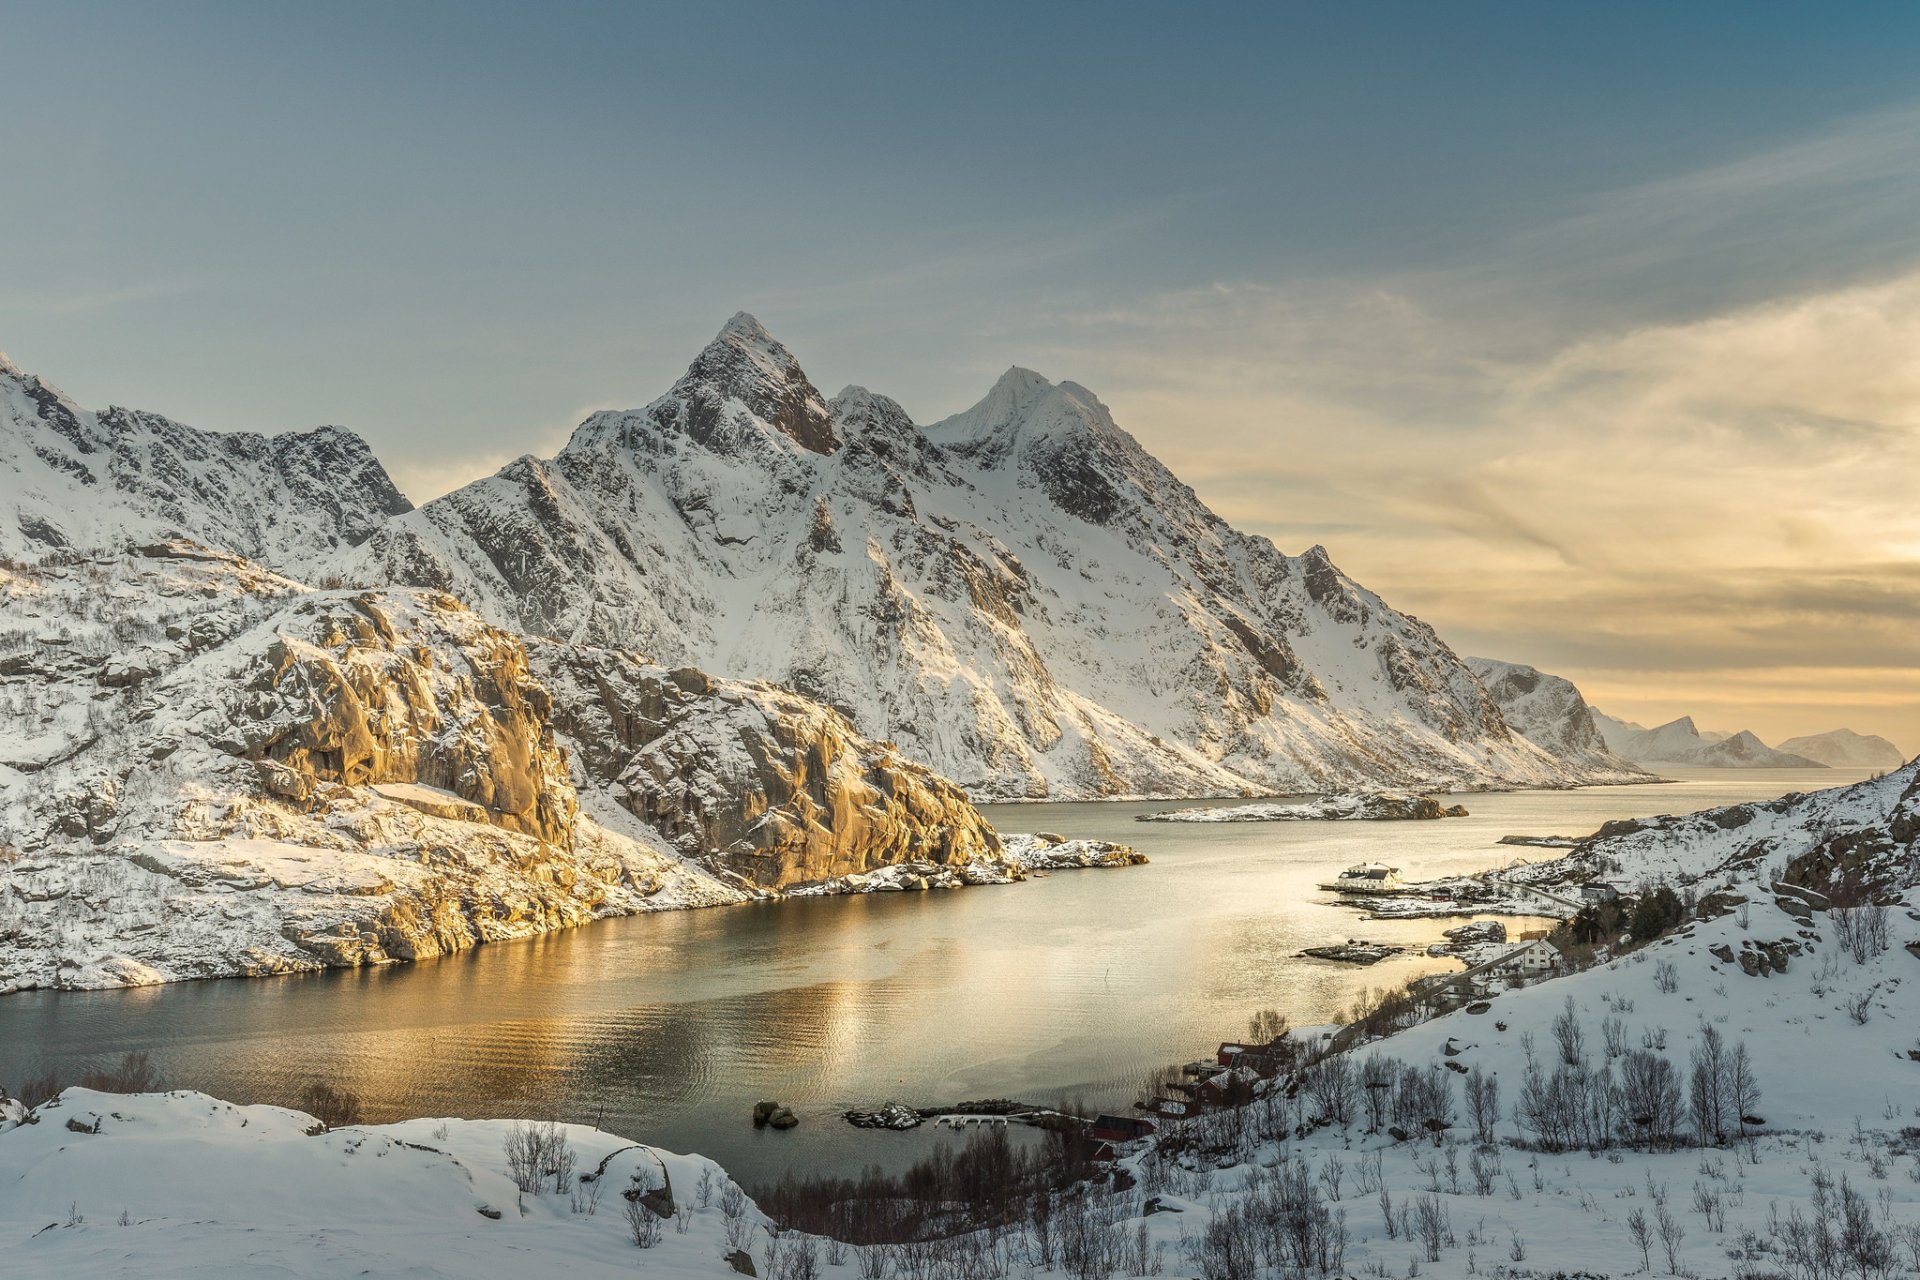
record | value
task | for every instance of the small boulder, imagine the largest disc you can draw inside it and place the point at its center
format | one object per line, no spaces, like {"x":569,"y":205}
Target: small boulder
{"x":783,"y":1119}
{"x":741,"y":1261}
{"x":763,"y":1112}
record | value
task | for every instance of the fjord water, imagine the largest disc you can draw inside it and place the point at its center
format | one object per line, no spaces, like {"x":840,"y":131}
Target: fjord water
{"x":668,"y":1027}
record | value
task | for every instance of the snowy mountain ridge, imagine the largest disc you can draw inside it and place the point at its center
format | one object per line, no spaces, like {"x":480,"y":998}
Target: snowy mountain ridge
{"x":78,"y":480}
{"x":1020,"y":594}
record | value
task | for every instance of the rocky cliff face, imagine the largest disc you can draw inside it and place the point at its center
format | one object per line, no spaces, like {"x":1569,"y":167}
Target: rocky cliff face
{"x":288,"y":779}
{"x":1552,"y":714}
{"x":74,"y":479}
{"x":1020,"y":595}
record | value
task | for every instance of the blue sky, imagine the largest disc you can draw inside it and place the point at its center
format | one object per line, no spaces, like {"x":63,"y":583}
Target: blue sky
{"x":1385,"y":276}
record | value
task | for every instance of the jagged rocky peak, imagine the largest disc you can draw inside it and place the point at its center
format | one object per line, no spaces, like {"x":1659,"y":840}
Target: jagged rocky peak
{"x":744,"y":389}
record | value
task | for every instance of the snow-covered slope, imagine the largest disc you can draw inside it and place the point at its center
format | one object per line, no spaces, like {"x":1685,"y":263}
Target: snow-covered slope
{"x":211,"y":770}
{"x":1551,"y":713}
{"x":1845,"y":749}
{"x":181,"y":1184}
{"x":1678,"y":742}
{"x":107,"y":481}
{"x":1020,"y":595}
{"x":1868,"y":833}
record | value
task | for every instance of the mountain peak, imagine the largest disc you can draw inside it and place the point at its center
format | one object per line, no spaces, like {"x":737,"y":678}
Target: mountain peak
{"x":745,"y":363}
{"x":747,"y":329}
{"x":8,"y":367}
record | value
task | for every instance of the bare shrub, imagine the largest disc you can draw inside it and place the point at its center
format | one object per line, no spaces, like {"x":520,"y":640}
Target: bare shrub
{"x":1666,"y":977}
{"x":1671,"y":1234}
{"x":330,"y":1104}
{"x":132,"y":1074}
{"x":539,"y":1156}
{"x":1861,"y":930}
{"x":1567,"y":1034}
{"x":643,"y":1223}
{"x":1642,"y":1233}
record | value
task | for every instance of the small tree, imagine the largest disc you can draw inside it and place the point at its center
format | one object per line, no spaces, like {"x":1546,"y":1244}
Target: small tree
{"x":1642,"y":1236}
{"x":1567,"y":1034}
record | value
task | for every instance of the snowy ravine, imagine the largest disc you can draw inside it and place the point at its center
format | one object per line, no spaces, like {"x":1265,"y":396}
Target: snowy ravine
{"x":1020,"y":595}
{"x":208,"y":770}
{"x":184,"y":1184}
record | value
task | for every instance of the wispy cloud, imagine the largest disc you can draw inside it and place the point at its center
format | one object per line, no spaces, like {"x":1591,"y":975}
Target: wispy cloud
{"x":1664,"y":442}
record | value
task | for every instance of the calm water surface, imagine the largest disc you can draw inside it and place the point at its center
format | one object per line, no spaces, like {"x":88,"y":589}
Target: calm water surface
{"x":667,"y":1028}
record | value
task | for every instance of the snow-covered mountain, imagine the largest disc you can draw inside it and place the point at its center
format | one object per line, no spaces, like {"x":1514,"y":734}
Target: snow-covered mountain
{"x":207,"y":769}
{"x":1550,"y":711}
{"x":1679,"y":742}
{"x":1845,"y":749}
{"x":1019,"y":595}
{"x":72,"y":478}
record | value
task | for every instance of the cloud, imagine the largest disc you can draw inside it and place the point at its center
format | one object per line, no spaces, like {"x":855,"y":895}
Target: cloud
{"x":1580,"y":450}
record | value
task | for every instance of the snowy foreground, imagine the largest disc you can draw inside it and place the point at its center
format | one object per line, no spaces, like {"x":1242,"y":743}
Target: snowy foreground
{"x":1816,"y":1173}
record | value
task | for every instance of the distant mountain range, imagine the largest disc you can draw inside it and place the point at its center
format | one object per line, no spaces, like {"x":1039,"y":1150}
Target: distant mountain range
{"x":1680,"y":742}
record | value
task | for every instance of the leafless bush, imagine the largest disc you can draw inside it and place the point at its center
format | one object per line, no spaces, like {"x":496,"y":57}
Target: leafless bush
{"x":1567,"y":1034}
{"x":330,"y":1104}
{"x":132,"y":1074}
{"x":538,"y":1156}
{"x":1649,"y":1098}
{"x":1642,"y":1234}
{"x":1671,"y":1234}
{"x":1613,"y":1029}
{"x":1485,"y":1164}
{"x":1711,"y":1205}
{"x":1483,"y":1104}
{"x":1666,"y":977}
{"x":643,"y":1223}
{"x":1432,"y":1223}
{"x":40,"y":1089}
{"x":1861,"y":930}
{"x":1333,"y":1087}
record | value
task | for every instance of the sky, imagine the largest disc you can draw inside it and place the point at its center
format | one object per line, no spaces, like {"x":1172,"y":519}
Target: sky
{"x":1590,"y":333}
